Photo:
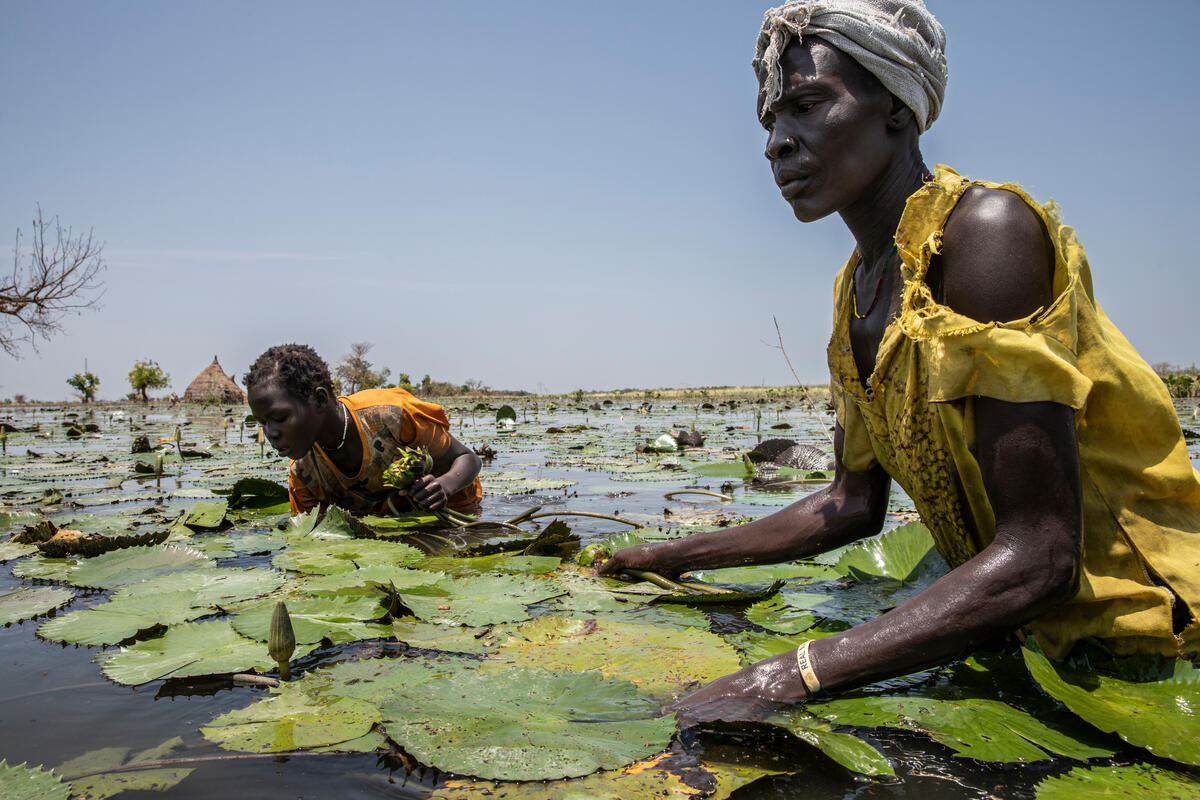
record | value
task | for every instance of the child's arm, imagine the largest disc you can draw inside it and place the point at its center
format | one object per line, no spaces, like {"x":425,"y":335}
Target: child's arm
{"x":453,"y":471}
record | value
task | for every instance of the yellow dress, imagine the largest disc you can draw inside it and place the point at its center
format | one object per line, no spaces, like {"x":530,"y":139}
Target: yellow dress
{"x":914,"y":416}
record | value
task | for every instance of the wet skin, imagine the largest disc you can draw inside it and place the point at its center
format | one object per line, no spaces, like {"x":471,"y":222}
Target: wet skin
{"x":839,"y":143}
{"x":293,"y":425}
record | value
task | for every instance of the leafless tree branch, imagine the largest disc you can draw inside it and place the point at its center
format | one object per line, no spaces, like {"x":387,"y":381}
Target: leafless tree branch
{"x":59,"y":275}
{"x":803,"y":390}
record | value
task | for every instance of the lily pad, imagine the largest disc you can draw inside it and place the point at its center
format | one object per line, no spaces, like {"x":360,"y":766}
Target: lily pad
{"x":188,"y":650}
{"x":324,"y":557}
{"x":527,"y":724}
{"x":500,"y":562}
{"x":133,"y":564}
{"x":20,"y":782}
{"x":291,"y":721}
{"x":789,"y":612}
{"x":362,"y":581}
{"x":904,"y":554}
{"x":26,"y":602}
{"x":662,"y":662}
{"x":979,"y":728}
{"x":846,"y":749}
{"x":447,"y":638}
{"x":659,"y":776}
{"x":109,"y":771}
{"x":765,"y":574}
{"x":485,"y":600}
{"x":1149,"y":702}
{"x":117,"y":620}
{"x":11,"y":550}
{"x":206,"y":516}
{"x":43,"y":568}
{"x":339,"y":619}
{"x":1119,"y":783}
{"x":209,"y":586}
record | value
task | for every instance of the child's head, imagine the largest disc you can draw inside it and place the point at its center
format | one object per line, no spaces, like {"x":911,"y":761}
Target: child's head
{"x":296,"y":367}
{"x":290,"y":393}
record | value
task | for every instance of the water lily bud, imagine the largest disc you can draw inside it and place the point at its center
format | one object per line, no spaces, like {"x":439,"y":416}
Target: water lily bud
{"x":281,"y":640}
{"x":178,"y":436}
{"x":158,"y":465}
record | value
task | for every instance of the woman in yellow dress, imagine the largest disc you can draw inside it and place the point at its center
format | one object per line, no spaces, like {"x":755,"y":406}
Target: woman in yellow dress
{"x":969,"y":362}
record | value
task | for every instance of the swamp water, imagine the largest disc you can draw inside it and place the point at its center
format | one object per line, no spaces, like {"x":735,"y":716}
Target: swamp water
{"x":59,"y":709}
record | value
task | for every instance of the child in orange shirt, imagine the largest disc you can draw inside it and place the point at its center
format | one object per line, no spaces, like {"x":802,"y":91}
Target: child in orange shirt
{"x":340,"y":446}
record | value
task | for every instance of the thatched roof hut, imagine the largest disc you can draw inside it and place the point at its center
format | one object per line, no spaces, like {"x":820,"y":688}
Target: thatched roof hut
{"x":214,"y":386}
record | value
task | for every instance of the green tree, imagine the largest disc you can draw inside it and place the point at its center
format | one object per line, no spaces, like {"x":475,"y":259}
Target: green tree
{"x":147,"y":374}
{"x":426,"y":383}
{"x":84,"y":384}
{"x":357,"y":373}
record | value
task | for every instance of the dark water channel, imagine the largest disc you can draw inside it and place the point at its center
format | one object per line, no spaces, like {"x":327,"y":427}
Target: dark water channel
{"x":56,"y":705}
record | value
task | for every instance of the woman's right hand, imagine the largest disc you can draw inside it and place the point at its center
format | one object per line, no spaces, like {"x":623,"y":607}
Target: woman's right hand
{"x":650,"y":557}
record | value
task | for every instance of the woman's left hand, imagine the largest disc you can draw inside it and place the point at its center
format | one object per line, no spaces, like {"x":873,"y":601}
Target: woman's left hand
{"x":428,"y":493}
{"x":747,"y":695}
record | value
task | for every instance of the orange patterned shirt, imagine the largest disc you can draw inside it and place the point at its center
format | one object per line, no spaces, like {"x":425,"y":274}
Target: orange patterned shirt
{"x":385,"y":420}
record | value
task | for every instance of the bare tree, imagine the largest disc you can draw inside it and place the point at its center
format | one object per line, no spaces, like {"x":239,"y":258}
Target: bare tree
{"x":59,"y":275}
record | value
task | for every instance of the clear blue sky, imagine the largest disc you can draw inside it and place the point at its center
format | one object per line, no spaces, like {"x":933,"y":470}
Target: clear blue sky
{"x":551,"y":195}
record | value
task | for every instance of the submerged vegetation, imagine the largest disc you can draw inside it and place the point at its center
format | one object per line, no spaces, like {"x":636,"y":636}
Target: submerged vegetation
{"x":469,"y":657}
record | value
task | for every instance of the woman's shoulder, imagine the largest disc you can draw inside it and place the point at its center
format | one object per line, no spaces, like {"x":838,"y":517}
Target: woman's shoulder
{"x":996,"y":258}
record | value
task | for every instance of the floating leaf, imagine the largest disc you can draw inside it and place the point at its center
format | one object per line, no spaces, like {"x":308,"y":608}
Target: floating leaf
{"x":903,"y":554}
{"x":661,"y":776}
{"x":526,"y":724}
{"x":20,"y":782}
{"x":447,"y":638}
{"x":110,"y":771}
{"x":42,"y":568}
{"x":765,"y":574}
{"x":339,"y":619}
{"x":363,"y":581}
{"x":133,"y":564}
{"x":257,"y":493}
{"x":485,"y":600}
{"x":381,"y":680}
{"x":789,"y":612}
{"x":11,"y":550}
{"x":206,"y":516}
{"x":291,"y":721}
{"x":983,"y":729}
{"x":758,"y":645}
{"x":26,"y":602}
{"x":209,"y":586}
{"x":1119,"y":783}
{"x":500,"y":562}
{"x":321,"y":557}
{"x":660,"y":661}
{"x":1150,"y":702}
{"x":117,"y":620}
{"x":846,"y":749}
{"x":185,"y":651}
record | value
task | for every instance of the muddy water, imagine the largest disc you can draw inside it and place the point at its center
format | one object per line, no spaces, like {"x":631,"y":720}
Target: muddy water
{"x":56,"y":705}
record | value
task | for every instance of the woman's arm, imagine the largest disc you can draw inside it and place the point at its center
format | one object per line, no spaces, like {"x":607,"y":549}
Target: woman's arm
{"x":453,"y":471}
{"x":850,"y":508}
{"x":1029,"y":461}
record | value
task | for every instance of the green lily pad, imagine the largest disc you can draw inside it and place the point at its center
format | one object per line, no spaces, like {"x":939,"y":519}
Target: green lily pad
{"x":765,"y":574}
{"x":11,"y":550}
{"x":788,"y":612}
{"x":485,"y":600}
{"x":206,"y":516}
{"x":339,"y":619}
{"x":30,"y":601}
{"x":117,"y":620}
{"x":758,"y":645}
{"x":979,"y":728}
{"x":527,"y":724}
{"x":1119,"y":783}
{"x":1148,"y":702}
{"x":846,"y":749}
{"x":291,"y":721}
{"x":42,"y":568}
{"x":381,"y":680}
{"x":110,"y":771}
{"x":20,"y":782}
{"x":904,"y":554}
{"x":325,"y":557}
{"x":447,"y":638}
{"x":362,"y":581}
{"x":658,"y":776}
{"x":662,"y":662}
{"x":133,"y":564}
{"x":188,"y":650}
{"x":500,"y":562}
{"x":209,"y":586}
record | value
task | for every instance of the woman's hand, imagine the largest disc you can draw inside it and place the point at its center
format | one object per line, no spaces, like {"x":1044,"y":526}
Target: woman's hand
{"x":650,"y":557}
{"x":428,"y":493}
{"x":747,"y":695}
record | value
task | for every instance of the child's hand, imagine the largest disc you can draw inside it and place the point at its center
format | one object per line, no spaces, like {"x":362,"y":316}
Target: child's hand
{"x":428,"y":493}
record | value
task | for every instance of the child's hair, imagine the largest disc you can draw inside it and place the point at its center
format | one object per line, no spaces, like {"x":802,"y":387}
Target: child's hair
{"x":297,"y":366}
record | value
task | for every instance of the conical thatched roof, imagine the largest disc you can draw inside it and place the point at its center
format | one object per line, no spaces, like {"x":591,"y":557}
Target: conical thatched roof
{"x":214,"y":386}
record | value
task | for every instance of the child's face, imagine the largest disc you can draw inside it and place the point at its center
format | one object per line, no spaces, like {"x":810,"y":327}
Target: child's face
{"x":290,"y":425}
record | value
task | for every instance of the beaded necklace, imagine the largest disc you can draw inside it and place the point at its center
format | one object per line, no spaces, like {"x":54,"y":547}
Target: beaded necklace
{"x":878,"y":286}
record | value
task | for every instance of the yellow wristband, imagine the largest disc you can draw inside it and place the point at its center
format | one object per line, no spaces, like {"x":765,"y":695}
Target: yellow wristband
{"x":804,"y":661}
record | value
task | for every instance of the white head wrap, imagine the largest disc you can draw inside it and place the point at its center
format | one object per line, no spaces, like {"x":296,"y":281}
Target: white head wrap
{"x":897,"y":41}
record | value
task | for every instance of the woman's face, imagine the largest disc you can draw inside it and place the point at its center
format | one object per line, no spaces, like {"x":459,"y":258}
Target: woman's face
{"x":291,"y":425}
{"x":829,"y":140}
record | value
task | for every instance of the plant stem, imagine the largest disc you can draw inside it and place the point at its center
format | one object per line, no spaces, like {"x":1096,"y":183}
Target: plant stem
{"x":582,"y":514}
{"x":671,"y":495}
